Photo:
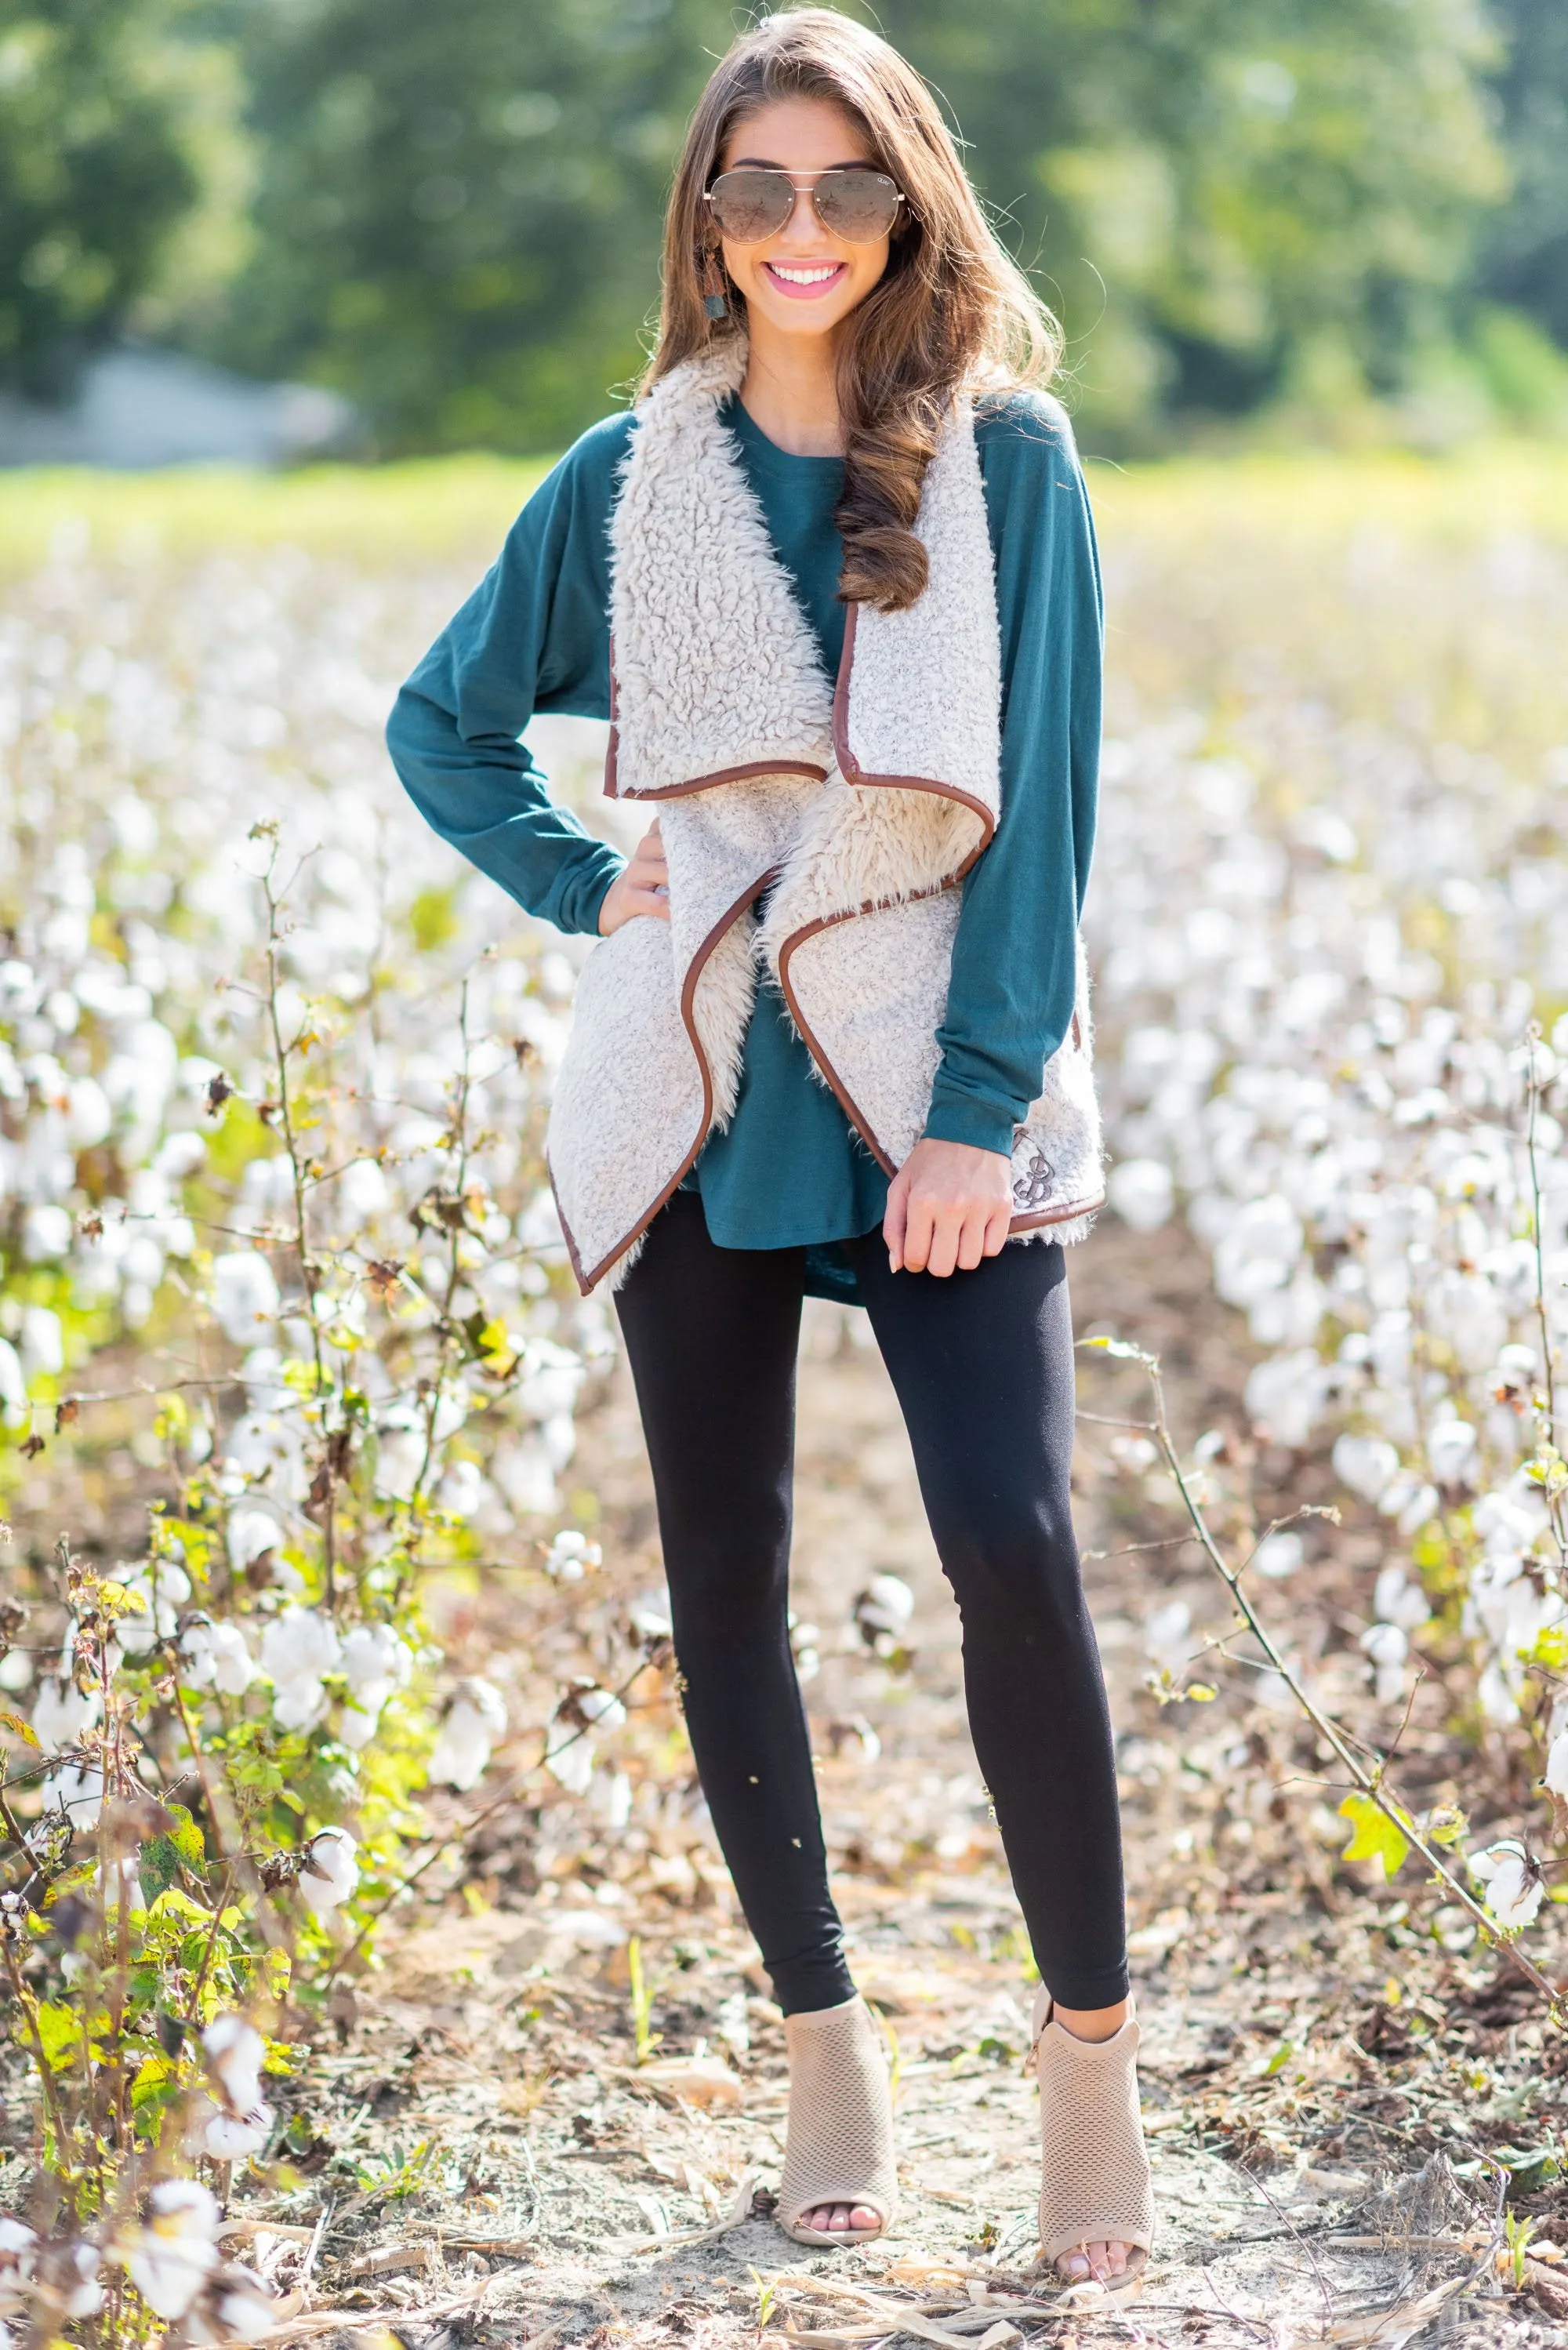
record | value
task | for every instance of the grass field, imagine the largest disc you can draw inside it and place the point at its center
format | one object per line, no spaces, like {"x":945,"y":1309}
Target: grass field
{"x":450,"y":504}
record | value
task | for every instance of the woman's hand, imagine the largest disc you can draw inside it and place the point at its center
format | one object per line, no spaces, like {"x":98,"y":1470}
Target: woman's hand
{"x":642,"y":888}
{"x":949,"y":1205}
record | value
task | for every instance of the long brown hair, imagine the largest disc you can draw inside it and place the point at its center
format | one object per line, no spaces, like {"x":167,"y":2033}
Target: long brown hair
{"x":951,"y":314}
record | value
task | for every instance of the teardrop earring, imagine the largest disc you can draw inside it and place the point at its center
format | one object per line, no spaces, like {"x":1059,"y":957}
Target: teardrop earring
{"x":713,"y":300}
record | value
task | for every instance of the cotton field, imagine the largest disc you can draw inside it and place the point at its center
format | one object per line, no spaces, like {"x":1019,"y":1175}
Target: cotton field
{"x":279,"y":1256}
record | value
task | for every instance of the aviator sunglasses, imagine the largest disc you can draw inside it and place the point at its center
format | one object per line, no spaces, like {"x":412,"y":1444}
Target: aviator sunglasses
{"x":755,"y":201}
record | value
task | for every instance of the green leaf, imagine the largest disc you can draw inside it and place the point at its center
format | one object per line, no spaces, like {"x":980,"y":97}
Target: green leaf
{"x":186,"y":1838}
{"x":157,"y":1867}
{"x":59,"y":2029}
{"x":175,"y":1902}
{"x":1377,"y":1837}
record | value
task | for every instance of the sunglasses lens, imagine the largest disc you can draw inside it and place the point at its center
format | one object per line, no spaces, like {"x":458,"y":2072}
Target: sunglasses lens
{"x":750,"y":205}
{"x":859,"y":206}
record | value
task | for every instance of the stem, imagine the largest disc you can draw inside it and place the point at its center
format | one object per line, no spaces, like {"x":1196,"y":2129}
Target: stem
{"x":301,"y":1230}
{"x":1555,"y":1502}
{"x":1534,"y":1097}
{"x":1369,"y":1782}
{"x":26,"y":2005}
{"x":200,"y":1760}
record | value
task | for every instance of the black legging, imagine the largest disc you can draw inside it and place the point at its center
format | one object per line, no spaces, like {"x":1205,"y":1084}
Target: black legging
{"x":982,"y":1364}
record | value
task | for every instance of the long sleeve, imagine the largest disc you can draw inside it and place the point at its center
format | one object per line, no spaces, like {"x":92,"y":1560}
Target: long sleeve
{"x":533,"y":636}
{"x":1010,"y":997}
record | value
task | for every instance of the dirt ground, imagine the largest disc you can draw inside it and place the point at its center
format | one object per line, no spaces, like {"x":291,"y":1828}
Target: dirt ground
{"x":1330,"y":2073}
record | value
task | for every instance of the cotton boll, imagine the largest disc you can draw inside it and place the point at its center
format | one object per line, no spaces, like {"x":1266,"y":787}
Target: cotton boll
{"x":235,"y":2052}
{"x":609,"y":1800}
{"x":602,"y":1708}
{"x":244,"y":1295}
{"x":15,"y":1411}
{"x":233,"y":2137}
{"x":1451,"y":1452}
{"x":61,"y":1713}
{"x":1366,"y":1463}
{"x":362,"y":1193}
{"x":1278,"y":1555}
{"x":81,"y":2294}
{"x":1142,"y":1194}
{"x":571,"y":1556}
{"x":526,"y":1475}
{"x":47,"y":1234}
{"x":569,"y":1755}
{"x":1386,"y":1649}
{"x":299,"y":1644}
{"x":476,"y":1719}
{"x":1496,"y":1699}
{"x":43,"y":1345}
{"x":1284,"y":1396}
{"x":330,"y":1870}
{"x":252,"y":1534}
{"x":171,"y":2257}
{"x":216,"y":1657}
{"x":461,"y":1489}
{"x":1396,"y":1600}
{"x":649,"y":1616}
{"x":1514,"y":1886}
{"x":882,"y":1612}
{"x":1411,"y":1502}
{"x":297,"y":1647}
{"x":1556,"y":1779}
{"x":78,"y":1791}
{"x":375,"y":1662}
{"x":162,"y":1586}
{"x":236,"y":2306}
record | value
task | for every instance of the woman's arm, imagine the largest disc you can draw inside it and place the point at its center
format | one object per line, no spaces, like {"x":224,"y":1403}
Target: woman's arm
{"x":532,"y":637}
{"x":1011,"y":994}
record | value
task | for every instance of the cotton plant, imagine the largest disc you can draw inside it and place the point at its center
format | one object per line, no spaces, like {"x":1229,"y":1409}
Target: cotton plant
{"x":270,"y":1119}
{"x":1369,"y":1142}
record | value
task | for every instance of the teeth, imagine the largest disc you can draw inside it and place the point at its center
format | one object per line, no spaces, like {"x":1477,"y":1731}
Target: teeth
{"x":805,"y":277}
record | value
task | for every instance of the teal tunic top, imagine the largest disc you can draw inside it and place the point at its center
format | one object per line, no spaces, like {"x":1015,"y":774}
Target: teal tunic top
{"x":534,"y":636}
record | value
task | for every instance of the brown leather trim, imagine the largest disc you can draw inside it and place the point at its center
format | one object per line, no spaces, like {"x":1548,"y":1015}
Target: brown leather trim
{"x":612,"y":748}
{"x":781,"y":766}
{"x":790,"y":766}
{"x":587,"y":1282}
{"x":849,"y":768}
{"x":846,"y":1101}
{"x":1058,"y":1215}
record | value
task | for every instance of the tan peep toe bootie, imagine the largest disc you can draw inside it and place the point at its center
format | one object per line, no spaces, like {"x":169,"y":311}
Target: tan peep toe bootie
{"x":839,"y":2148}
{"x":1094,"y":2186}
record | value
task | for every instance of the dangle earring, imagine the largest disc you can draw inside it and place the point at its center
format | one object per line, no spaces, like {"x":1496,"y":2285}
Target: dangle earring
{"x":713,"y":300}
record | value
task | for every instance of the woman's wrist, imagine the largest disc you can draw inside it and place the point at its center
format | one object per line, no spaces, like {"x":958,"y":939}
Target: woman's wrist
{"x":983,"y":1126}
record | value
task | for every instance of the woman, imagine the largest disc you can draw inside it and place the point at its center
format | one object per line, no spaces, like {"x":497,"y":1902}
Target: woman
{"x":835,"y":1040}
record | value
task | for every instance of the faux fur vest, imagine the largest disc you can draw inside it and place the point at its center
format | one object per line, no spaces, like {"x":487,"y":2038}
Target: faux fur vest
{"x":859,"y":809}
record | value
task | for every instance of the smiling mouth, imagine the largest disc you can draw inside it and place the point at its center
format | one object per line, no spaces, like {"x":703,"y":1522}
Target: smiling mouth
{"x":801,"y":280}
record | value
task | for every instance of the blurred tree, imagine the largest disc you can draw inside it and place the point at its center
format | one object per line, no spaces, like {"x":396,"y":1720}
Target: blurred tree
{"x":458,"y":215}
{"x":107,"y":145}
{"x":459,"y":210}
{"x":1231,"y":199}
{"x":1525,"y":256}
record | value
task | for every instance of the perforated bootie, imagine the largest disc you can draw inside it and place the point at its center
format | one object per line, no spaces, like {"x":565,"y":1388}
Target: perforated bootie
{"x":1095,"y":2177}
{"x":839,"y":2147}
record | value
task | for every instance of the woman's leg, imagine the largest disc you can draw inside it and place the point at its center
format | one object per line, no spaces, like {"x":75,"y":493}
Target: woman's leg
{"x":982,"y":1363}
{"x":713,"y":1335}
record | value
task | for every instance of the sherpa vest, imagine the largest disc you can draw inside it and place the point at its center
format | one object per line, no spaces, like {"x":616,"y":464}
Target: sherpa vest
{"x":856,"y":810}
